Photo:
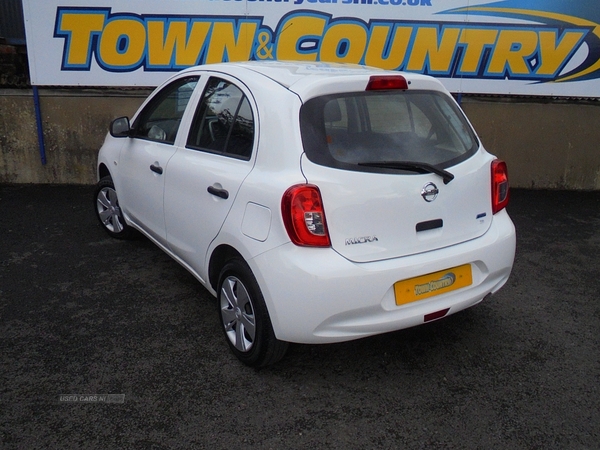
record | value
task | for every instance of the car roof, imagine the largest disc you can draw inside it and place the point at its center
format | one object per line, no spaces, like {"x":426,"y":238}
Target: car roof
{"x":308,"y":79}
{"x":288,"y":73}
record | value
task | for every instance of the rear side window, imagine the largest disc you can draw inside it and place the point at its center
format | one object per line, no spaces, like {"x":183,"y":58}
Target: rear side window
{"x":346,"y":130}
{"x":160,"y":119}
{"x":223,"y":122}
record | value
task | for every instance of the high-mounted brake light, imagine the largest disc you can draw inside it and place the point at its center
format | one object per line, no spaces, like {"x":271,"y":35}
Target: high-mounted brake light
{"x":387,"y":82}
{"x":304,"y":216}
{"x":500,"y":188}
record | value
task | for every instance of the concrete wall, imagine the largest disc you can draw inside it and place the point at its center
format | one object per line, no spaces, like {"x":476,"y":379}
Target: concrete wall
{"x":75,"y":123}
{"x":547,"y":144}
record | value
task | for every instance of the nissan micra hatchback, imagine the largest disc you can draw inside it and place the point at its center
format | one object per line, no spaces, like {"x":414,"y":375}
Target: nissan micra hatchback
{"x":318,"y":202}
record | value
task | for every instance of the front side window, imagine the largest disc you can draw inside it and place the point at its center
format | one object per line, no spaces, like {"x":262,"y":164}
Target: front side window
{"x":160,"y":119}
{"x":224,"y":122}
{"x":351,"y":131}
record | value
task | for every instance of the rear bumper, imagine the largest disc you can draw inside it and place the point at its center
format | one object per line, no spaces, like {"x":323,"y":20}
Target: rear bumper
{"x":317,"y":296}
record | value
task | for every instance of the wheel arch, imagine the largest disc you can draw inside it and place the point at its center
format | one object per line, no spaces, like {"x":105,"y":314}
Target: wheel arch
{"x":103,"y":171}
{"x":218,"y":259}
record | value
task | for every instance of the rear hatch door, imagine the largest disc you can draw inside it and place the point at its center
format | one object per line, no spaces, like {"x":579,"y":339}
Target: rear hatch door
{"x":374,"y":216}
{"x":400,"y":172}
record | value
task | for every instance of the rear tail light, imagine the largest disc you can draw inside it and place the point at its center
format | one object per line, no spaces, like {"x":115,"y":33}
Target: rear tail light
{"x":304,"y":216}
{"x":387,"y":82}
{"x":500,"y":188}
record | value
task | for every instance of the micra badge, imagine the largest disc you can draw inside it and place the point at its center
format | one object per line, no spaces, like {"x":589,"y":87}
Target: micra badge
{"x":361,"y":240}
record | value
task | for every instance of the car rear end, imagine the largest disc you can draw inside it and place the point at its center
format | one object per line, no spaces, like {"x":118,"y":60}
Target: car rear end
{"x":402,"y":217}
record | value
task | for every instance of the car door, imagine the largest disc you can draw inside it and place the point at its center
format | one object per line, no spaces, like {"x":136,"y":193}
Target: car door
{"x":205,"y":175}
{"x":144,"y":157}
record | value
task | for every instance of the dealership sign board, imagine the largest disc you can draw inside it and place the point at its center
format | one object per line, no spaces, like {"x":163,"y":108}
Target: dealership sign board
{"x":526,"y":47}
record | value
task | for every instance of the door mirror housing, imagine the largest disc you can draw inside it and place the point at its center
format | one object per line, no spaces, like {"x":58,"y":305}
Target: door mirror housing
{"x":120,"y":127}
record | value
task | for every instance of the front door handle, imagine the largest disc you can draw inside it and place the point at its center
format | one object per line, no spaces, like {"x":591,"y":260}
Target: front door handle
{"x":222,"y":193}
{"x":156,"y":168}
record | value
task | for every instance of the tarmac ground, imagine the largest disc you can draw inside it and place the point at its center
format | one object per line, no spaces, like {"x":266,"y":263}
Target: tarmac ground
{"x":111,"y":344}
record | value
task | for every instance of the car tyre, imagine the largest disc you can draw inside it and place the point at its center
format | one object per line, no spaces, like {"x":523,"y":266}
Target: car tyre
{"x":108,"y":211}
{"x":244,"y":317}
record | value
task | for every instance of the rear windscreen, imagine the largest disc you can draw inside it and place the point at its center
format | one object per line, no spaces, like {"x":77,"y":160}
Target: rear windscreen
{"x":346,"y":130}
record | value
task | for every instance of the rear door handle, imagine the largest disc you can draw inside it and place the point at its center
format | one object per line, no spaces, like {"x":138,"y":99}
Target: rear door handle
{"x":429,"y":225}
{"x":222,"y":193}
{"x":156,"y":169}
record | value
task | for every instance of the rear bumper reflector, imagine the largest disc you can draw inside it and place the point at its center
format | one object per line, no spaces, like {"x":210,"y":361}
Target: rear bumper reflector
{"x":436,"y":315}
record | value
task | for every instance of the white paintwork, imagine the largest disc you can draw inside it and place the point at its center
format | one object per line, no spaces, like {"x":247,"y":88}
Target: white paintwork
{"x":313,"y":294}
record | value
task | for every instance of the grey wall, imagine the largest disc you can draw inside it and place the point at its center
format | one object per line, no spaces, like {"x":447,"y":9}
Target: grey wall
{"x":75,"y":123}
{"x":552,"y":144}
{"x":547,"y":144}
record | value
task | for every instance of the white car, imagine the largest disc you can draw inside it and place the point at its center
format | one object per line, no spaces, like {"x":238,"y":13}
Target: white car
{"x":318,"y":202}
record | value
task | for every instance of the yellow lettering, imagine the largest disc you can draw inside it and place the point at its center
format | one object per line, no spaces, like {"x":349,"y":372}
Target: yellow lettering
{"x":397,"y":48}
{"x":554,"y":56}
{"x":511,"y":52}
{"x":344,"y":43}
{"x":429,"y":48}
{"x":174,"y":44}
{"x":80,"y":27}
{"x":293,"y":31}
{"x":123,"y":43}
{"x":475,"y":41}
{"x":224,"y":45}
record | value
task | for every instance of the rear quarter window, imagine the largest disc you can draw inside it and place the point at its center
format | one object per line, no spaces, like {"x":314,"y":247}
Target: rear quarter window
{"x":343,"y":131}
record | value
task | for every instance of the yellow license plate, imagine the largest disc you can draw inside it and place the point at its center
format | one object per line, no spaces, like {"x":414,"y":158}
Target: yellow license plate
{"x":437,"y":283}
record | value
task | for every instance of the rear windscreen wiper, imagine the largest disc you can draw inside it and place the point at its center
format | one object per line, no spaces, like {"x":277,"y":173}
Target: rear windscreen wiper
{"x":412,"y":166}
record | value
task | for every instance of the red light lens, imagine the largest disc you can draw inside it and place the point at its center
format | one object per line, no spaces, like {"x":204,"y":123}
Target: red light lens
{"x":436,"y":315}
{"x":387,"y":82}
{"x":304,"y":216}
{"x":500,"y":187}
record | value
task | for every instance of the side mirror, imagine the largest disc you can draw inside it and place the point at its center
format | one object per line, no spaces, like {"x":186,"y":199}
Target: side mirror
{"x":120,"y":127}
